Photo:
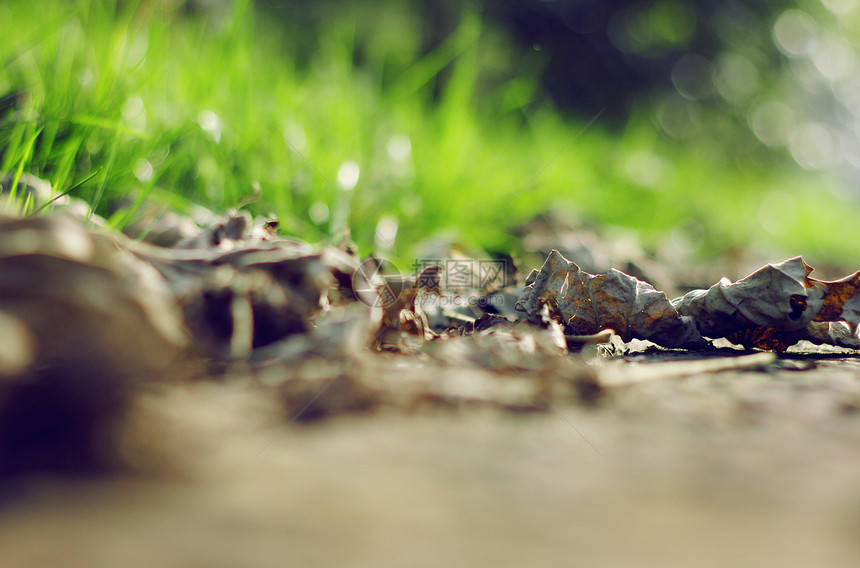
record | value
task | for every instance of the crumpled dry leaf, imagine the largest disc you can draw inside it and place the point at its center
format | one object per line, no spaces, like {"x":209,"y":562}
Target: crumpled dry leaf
{"x":777,"y":306}
{"x":241,"y":289}
{"x":775,"y":296}
{"x":82,"y":324}
{"x":772,"y":308}
{"x":586,"y":304}
{"x":404,"y":323}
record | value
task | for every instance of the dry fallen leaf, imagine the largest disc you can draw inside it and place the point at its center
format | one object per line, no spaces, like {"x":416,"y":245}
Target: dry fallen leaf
{"x":83,"y":325}
{"x":841,"y":300}
{"x":772,"y":308}
{"x":587,"y":304}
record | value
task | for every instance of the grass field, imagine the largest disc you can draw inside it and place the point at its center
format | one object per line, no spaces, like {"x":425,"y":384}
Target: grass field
{"x":118,"y":99}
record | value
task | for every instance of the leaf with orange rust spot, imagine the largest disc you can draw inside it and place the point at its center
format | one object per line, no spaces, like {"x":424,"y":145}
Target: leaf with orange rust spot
{"x":841,"y":300}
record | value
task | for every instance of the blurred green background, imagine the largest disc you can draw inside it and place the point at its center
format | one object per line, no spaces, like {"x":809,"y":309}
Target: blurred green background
{"x":710,"y":126}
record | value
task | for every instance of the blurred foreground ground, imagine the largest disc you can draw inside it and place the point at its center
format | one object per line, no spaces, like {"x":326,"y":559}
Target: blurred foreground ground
{"x":423,"y":454}
{"x":725,"y":469}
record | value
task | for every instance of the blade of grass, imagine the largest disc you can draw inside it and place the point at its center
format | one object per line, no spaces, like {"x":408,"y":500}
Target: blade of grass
{"x":67,"y":192}
{"x":68,"y":154}
{"x":428,"y":67}
{"x":106,"y":124}
{"x":28,"y":204}
{"x":25,"y":159}
{"x":101,"y":189}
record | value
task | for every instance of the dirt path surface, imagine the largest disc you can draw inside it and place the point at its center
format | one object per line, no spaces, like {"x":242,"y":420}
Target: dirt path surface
{"x":722,"y":469}
{"x":442,"y":437}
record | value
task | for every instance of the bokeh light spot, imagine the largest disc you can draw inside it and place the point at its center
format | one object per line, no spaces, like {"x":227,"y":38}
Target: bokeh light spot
{"x":295,"y":136}
{"x":771,"y":122}
{"x":386,"y":233}
{"x":841,"y":7}
{"x":211,"y":124}
{"x":645,"y":169}
{"x":143,"y":170}
{"x":795,"y":32}
{"x":834,"y":57}
{"x":399,"y":148}
{"x":737,"y":78}
{"x":813,"y":147}
{"x":693,"y":76}
{"x":678,"y":116}
{"x":347,"y":175}
{"x":134,"y":112}
{"x":318,"y":212}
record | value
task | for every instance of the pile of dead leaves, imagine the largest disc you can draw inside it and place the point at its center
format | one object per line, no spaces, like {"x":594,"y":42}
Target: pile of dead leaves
{"x":89,"y":317}
{"x":772,"y":308}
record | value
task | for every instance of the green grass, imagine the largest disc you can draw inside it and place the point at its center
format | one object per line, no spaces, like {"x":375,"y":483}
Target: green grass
{"x":125,"y":99}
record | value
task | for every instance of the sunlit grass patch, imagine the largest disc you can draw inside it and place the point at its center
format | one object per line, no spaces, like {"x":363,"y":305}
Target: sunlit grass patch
{"x":122,"y":101}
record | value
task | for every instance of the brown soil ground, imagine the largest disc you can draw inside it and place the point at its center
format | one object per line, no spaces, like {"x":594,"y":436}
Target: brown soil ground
{"x":722,"y":469}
